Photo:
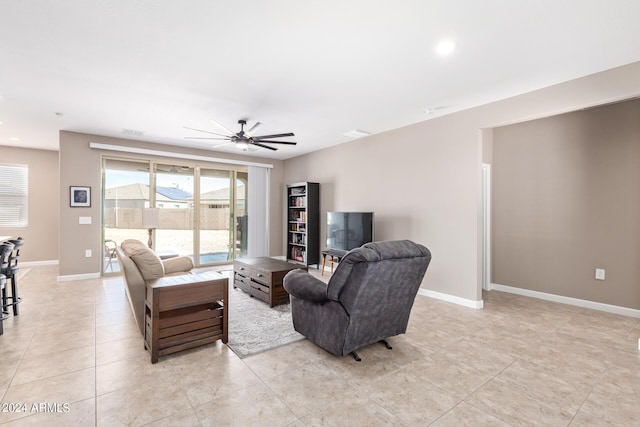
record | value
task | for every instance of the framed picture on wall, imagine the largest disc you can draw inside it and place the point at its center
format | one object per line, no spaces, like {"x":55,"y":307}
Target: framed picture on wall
{"x":80,"y":197}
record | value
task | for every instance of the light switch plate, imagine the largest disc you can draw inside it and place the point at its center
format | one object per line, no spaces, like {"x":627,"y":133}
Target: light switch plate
{"x":84,"y":220}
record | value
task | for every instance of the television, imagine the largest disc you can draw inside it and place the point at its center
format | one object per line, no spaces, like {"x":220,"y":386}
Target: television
{"x":348,"y":230}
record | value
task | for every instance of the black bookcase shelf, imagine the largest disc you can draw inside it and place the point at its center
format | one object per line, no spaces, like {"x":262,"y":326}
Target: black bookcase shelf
{"x":303,"y":223}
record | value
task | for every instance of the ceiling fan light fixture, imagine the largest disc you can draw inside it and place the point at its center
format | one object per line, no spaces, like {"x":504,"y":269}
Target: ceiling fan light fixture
{"x":242,"y":145}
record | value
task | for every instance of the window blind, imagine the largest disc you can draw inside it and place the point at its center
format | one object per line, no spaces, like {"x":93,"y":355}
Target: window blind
{"x":14,"y":195}
{"x":258,"y":212}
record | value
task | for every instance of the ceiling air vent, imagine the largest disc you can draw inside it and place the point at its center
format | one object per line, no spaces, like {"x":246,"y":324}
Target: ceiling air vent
{"x":356,"y":133}
{"x":132,"y":132}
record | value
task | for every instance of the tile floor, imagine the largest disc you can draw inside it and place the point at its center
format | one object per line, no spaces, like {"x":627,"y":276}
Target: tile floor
{"x":74,"y":351}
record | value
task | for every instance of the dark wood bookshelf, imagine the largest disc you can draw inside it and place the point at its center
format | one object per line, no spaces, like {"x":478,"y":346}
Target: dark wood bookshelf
{"x":303,"y":223}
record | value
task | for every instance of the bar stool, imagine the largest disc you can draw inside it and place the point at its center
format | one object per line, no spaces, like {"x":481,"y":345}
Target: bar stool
{"x":3,"y":282}
{"x":5,"y":249}
{"x":11,"y":273}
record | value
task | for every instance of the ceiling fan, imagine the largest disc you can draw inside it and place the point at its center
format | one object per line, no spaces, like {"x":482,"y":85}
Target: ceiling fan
{"x":244,"y":139}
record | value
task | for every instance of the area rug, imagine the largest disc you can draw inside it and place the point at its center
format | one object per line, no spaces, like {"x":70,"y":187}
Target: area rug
{"x":254,"y":327}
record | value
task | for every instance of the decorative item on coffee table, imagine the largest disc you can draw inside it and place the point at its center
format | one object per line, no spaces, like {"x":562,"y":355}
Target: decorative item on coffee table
{"x":262,"y":278}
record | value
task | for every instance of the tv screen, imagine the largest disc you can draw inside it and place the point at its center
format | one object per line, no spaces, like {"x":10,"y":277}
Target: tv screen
{"x":348,"y":230}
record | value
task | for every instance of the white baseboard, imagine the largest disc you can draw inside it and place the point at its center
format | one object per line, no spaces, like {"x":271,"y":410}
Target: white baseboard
{"x":625,"y":311}
{"x":451,"y":298}
{"x":38,"y":263}
{"x":72,"y":277}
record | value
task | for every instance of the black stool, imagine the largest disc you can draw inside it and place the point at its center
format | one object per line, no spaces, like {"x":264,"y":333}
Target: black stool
{"x":11,"y":273}
{"x":3,"y":282}
{"x":5,"y":249}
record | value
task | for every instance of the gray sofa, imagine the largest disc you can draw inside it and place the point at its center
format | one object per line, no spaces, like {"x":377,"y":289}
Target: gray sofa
{"x":368,"y":298}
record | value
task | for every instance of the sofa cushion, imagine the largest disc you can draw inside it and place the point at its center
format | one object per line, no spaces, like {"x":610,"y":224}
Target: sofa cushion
{"x":177,"y":265}
{"x":146,"y":260}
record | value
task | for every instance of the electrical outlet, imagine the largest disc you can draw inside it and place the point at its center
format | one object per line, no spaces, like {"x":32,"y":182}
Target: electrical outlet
{"x":87,"y":253}
{"x":600,"y":273}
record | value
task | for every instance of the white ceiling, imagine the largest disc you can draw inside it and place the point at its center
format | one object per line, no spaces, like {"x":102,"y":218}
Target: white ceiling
{"x":316,"y":68}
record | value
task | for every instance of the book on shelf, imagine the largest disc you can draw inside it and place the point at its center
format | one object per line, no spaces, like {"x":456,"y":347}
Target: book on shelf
{"x":298,"y":216}
{"x":298,"y":239}
{"x":298,"y":202}
{"x":298,"y":227}
{"x":298,"y":253}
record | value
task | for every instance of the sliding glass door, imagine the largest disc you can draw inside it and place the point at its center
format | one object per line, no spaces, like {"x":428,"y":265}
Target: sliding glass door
{"x":216,"y":216}
{"x":125,"y":196}
{"x":174,"y":200}
{"x":222,"y":215}
{"x":191,"y":210}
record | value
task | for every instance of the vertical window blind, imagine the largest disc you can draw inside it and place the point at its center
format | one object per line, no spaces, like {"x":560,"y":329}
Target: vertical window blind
{"x":14,"y":195}
{"x":258,"y":212}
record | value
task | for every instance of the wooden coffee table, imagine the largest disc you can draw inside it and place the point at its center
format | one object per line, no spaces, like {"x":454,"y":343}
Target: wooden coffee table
{"x":262,"y":278}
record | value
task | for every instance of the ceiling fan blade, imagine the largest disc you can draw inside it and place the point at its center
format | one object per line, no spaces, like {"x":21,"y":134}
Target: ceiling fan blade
{"x":205,"y":137}
{"x":222,"y":127}
{"x":276,"y":142}
{"x":274,"y":136}
{"x":253,"y":129}
{"x":205,"y":131}
{"x":263,"y":146}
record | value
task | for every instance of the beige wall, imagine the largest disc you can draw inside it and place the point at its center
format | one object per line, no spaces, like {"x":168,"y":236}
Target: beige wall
{"x":420,"y":183}
{"x":424,"y":181}
{"x":41,"y":235}
{"x":566,"y":200}
{"x":81,"y":165}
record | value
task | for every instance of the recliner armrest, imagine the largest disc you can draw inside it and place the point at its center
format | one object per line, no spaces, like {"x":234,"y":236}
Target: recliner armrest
{"x":177,"y":264}
{"x":303,"y":285}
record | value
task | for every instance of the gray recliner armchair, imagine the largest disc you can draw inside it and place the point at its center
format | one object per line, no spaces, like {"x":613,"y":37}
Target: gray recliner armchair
{"x":368,"y":298}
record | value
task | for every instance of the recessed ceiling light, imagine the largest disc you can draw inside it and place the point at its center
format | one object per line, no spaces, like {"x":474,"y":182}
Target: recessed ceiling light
{"x":356,"y":133}
{"x":13,"y":138}
{"x":445,"y":47}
